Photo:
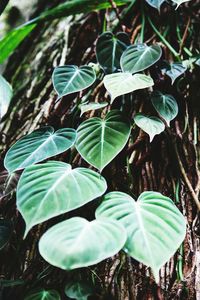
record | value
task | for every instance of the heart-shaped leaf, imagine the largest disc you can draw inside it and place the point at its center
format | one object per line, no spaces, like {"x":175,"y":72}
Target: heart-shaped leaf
{"x":53,"y":188}
{"x":109,"y":49}
{"x":91,"y":106}
{"x":155,"y":227}
{"x":43,"y":295}
{"x":174,"y":71}
{"x":179,"y":2}
{"x":79,"y":290}
{"x":151,"y":125}
{"x":5,"y":96}
{"x":78,"y":243}
{"x":37,"y":146}
{"x":123,"y":83}
{"x":139,"y":57}
{"x":100,"y":140}
{"x":165,"y":105}
{"x":71,"y":79}
{"x":155,"y":3}
{"x":5,"y":232}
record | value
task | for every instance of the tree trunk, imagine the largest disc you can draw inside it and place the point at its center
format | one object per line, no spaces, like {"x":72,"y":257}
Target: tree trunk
{"x":168,"y":165}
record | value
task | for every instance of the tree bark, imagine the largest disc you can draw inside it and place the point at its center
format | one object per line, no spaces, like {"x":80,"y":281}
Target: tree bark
{"x":168,"y":165}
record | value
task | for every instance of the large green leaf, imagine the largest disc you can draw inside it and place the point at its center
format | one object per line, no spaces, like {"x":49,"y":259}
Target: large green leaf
{"x":5,"y":232}
{"x":5,"y":96}
{"x":37,"y":146}
{"x":79,"y":290}
{"x":123,"y":83}
{"x":151,"y":125}
{"x":53,"y":188}
{"x":109,"y":49}
{"x":43,"y":295}
{"x":165,"y":105}
{"x":139,"y":57}
{"x":174,"y":70}
{"x":155,"y":227}
{"x":71,"y":79}
{"x":77,"y":243}
{"x":10,"y":42}
{"x":85,"y":107}
{"x":100,"y":140}
{"x":155,"y":3}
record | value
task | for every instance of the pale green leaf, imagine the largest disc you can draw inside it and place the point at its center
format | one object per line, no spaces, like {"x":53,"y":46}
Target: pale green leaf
{"x":139,"y":57}
{"x":85,"y":107}
{"x":174,"y":70}
{"x":179,"y":2}
{"x":155,"y":3}
{"x":43,"y":295}
{"x":37,"y":146}
{"x":53,"y":188}
{"x":5,"y":96}
{"x":78,"y":243}
{"x":100,"y":140}
{"x":151,"y":125}
{"x":155,"y":227}
{"x":109,"y":49}
{"x":123,"y":83}
{"x":79,"y":290}
{"x":165,"y":105}
{"x":71,"y":79}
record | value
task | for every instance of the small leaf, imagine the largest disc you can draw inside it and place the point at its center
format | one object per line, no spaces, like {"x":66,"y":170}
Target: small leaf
{"x":5,"y":232}
{"x":91,"y":106}
{"x":53,"y":188}
{"x":155,"y":227}
{"x":5,"y":96}
{"x":155,"y":3}
{"x":123,"y":83}
{"x":78,"y":243}
{"x":165,"y":105}
{"x":10,"y":42}
{"x":43,"y":295}
{"x":151,"y":125}
{"x":79,"y":290}
{"x":139,"y":57}
{"x":174,"y":71}
{"x":37,"y":146}
{"x":109,"y":49}
{"x":100,"y":140}
{"x":179,"y":2}
{"x":71,"y":79}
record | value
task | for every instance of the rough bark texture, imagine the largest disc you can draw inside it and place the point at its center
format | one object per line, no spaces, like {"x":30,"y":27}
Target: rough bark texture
{"x":168,"y":165}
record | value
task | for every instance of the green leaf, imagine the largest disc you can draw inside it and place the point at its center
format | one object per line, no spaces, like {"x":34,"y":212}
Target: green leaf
{"x":165,"y":105}
{"x":78,"y":243}
{"x":100,"y":140}
{"x":5,"y":96}
{"x":109,"y":49}
{"x":53,"y":188}
{"x":139,"y":57}
{"x":155,"y":3}
{"x":179,"y":2}
{"x":123,"y":83}
{"x":91,"y":106}
{"x":174,"y":71}
{"x":37,"y":146}
{"x":79,"y":290}
{"x":5,"y":232}
{"x":10,"y":42}
{"x":71,"y":79}
{"x":154,"y":225}
{"x":43,"y":295}
{"x":151,"y":125}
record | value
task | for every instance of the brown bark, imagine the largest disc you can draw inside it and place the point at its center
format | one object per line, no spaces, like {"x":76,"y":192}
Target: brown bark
{"x":168,"y":165}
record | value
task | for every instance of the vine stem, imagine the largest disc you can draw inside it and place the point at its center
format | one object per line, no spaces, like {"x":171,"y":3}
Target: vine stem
{"x":176,"y":54}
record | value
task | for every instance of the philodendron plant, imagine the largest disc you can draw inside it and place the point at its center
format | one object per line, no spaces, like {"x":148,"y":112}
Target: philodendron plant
{"x":149,"y":229}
